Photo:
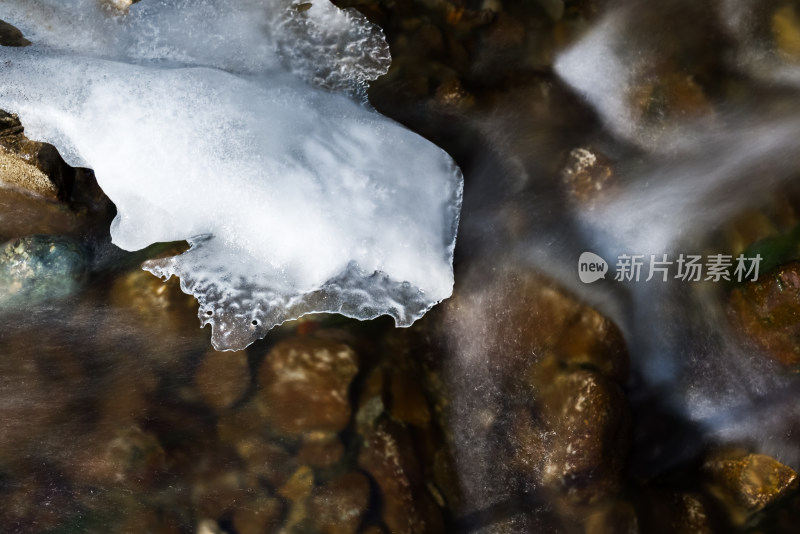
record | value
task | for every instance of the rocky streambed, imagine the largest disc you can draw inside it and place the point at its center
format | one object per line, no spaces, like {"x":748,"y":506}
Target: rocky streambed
{"x":527,"y":402}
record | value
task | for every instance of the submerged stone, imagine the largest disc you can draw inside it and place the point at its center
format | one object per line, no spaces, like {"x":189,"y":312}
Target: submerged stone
{"x":388,"y":456}
{"x":258,"y":515}
{"x":339,"y":506}
{"x":124,"y":455}
{"x":28,"y":214}
{"x":626,"y":68}
{"x":222,"y":378}
{"x":747,"y":483}
{"x":786,"y":31}
{"x":588,"y":176}
{"x":297,"y":491}
{"x":38,"y":268}
{"x":304,"y":384}
{"x":320,"y":449}
{"x":670,"y":512}
{"x":542,"y":408}
{"x":587,"y":424}
{"x":154,"y":304}
{"x":768,"y":311}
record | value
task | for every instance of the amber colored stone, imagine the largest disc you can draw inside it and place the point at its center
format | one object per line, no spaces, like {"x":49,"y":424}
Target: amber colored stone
{"x":259,"y":515}
{"x":297,"y":490}
{"x":388,"y":456}
{"x":528,"y":444}
{"x":320,"y":450}
{"x":26,"y":214}
{"x":748,"y":482}
{"x":409,"y":404}
{"x":768,"y":311}
{"x":592,"y":341}
{"x":339,"y":506}
{"x":36,"y":167}
{"x":587,"y":421}
{"x":786,"y":31}
{"x":452,"y":96}
{"x":149,"y":520}
{"x":588,"y":177}
{"x":222,"y":378}
{"x":304,"y":385}
{"x":616,"y":517}
{"x":124,"y":455}
{"x":153,"y":303}
{"x":668,"y":512}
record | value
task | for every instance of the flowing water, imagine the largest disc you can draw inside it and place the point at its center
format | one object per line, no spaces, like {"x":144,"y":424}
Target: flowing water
{"x":534,"y":399}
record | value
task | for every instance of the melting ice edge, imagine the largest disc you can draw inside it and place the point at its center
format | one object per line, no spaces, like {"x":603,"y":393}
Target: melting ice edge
{"x":199,"y":119}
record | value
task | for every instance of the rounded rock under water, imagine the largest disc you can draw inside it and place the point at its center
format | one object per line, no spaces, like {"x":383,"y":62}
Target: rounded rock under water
{"x":38,"y":268}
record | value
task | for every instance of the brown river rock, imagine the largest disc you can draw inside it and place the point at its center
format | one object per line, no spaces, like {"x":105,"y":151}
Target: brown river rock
{"x":320,"y":450}
{"x":407,"y":507}
{"x":747,"y":482}
{"x":304,"y":385}
{"x":339,"y":506}
{"x":37,"y":167}
{"x":222,"y":378}
{"x":768,"y":311}
{"x":258,"y":515}
{"x":358,"y":428}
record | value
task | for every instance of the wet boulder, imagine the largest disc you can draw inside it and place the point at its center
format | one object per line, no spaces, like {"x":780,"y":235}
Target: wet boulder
{"x":30,"y":165}
{"x":587,"y":425}
{"x":11,"y":36}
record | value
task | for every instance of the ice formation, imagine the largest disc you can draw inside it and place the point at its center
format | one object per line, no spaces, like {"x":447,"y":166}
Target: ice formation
{"x":200,"y":122}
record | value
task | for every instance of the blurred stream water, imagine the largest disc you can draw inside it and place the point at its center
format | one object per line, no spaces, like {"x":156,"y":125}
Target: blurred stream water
{"x":528,"y":402}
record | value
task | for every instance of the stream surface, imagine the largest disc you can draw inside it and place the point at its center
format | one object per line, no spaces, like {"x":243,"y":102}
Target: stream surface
{"x":554,"y":391}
